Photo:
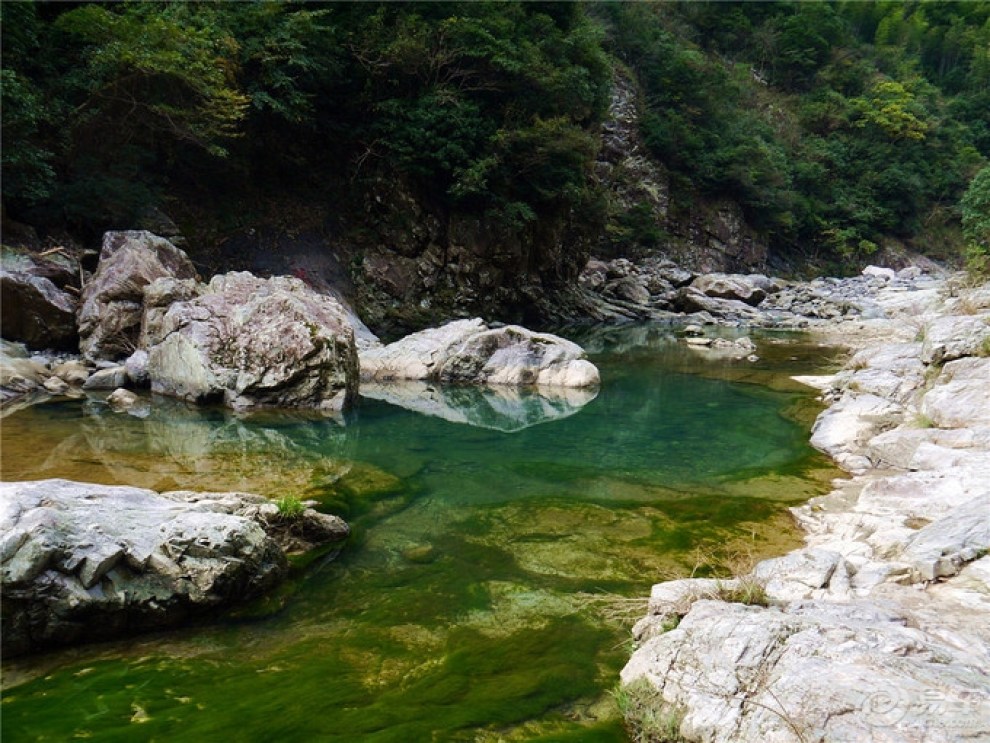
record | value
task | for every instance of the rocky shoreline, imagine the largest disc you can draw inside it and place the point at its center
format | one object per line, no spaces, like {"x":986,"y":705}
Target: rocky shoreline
{"x":81,"y":561}
{"x":876,"y":630}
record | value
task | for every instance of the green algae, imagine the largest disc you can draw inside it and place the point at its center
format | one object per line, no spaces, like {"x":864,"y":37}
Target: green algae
{"x":474,"y":599}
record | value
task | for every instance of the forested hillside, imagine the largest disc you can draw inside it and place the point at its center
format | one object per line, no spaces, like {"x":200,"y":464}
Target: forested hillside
{"x":836,"y":126}
{"x":446,"y":151}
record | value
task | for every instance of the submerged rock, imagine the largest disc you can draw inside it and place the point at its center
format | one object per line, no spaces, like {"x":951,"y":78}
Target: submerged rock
{"x":82,"y":562}
{"x":469,"y":352}
{"x":112,"y":301}
{"x":247,"y":342}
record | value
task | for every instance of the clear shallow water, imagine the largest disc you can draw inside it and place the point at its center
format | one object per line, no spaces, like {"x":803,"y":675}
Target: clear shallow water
{"x":480,"y":597}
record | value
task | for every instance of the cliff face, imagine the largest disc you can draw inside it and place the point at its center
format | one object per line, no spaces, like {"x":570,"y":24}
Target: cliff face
{"x":646,"y":214}
{"x":405,"y":263}
{"x":404,"y":260}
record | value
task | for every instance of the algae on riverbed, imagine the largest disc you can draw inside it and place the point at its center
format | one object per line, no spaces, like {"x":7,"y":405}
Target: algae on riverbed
{"x":475,"y":601}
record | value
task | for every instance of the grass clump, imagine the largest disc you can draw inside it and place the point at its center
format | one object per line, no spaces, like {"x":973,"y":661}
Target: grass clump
{"x":648,"y":717}
{"x":290,"y":508}
{"x":922,"y":421}
{"x":746,"y":590}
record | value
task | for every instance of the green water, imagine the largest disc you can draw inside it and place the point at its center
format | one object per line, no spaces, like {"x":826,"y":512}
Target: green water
{"x":489,"y":586}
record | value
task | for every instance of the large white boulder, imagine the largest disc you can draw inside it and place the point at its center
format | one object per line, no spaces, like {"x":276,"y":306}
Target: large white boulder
{"x":80,"y":561}
{"x":246,"y":341}
{"x":469,"y":352}
{"x":814,"y":671}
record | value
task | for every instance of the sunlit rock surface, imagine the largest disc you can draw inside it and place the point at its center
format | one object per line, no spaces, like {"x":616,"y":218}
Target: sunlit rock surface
{"x":112,"y":300}
{"x":249,"y":342}
{"x":82,"y":561}
{"x":469,"y":352}
{"x":877,"y":629}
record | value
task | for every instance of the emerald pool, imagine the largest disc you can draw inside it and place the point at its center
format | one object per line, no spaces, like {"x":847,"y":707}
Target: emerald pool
{"x":499,"y":554}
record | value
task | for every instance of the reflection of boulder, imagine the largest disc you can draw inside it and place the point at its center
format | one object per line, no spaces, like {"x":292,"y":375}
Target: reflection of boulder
{"x":469,"y":352}
{"x":500,"y":408}
{"x":620,"y":339}
{"x":177,"y":446}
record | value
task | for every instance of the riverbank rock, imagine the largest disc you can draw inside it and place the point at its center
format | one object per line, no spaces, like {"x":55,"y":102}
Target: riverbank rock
{"x":26,"y":378}
{"x":248,"y":342}
{"x":470,"y":352}
{"x":19,"y":374}
{"x":750,"y":290}
{"x":82,"y":562}
{"x":112,"y":301}
{"x":814,"y":671}
{"x":876,"y":630}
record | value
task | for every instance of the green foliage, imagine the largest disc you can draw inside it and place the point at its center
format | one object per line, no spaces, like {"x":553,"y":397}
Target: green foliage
{"x":290,"y":508}
{"x":975,"y":208}
{"x":488,"y":107}
{"x":160,"y":69}
{"x":745,"y":590}
{"x":836,"y":126}
{"x":828,"y":140}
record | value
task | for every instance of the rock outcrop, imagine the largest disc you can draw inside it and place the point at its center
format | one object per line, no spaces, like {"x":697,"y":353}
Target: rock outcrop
{"x":112,"y":301}
{"x":704,"y":234}
{"x":247,"y":342}
{"x":656,"y":289}
{"x":470,"y":352}
{"x":877,"y":629}
{"x":82,"y":562}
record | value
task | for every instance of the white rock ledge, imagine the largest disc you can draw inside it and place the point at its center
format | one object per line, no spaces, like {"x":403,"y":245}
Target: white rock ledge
{"x":81,"y":562}
{"x":879,"y":629}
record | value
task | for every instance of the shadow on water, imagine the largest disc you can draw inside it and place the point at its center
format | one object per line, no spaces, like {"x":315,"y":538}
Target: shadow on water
{"x":475,"y":600}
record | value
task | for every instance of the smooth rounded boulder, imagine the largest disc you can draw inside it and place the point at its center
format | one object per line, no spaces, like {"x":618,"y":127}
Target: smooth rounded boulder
{"x":470,"y":352}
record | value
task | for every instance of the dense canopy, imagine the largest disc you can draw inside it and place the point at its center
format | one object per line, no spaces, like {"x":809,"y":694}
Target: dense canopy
{"x":836,"y":126}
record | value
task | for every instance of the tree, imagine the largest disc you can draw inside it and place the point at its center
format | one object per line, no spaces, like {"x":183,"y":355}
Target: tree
{"x":975,"y":209}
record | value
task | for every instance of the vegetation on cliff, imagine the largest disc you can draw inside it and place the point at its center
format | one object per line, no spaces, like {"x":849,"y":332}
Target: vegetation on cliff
{"x":838,"y":127}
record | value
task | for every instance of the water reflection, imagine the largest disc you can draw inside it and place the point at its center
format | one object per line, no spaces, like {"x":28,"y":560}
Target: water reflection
{"x":502,"y":408}
{"x":164,"y":444}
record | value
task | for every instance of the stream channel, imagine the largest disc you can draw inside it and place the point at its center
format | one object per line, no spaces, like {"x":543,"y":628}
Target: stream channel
{"x":502,"y":547}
